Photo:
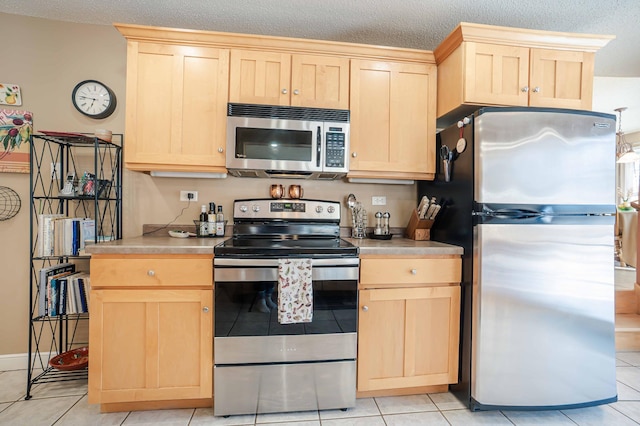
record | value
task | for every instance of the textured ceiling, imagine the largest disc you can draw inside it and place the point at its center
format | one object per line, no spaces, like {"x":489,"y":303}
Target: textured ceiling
{"x":420,"y":24}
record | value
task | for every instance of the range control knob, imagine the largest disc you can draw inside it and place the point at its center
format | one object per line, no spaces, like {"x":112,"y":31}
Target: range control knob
{"x":319,"y":209}
{"x":243,"y":208}
{"x":256,"y":208}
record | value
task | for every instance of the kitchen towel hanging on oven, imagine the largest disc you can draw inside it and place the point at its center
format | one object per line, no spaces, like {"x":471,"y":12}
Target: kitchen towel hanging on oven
{"x":295,"y":291}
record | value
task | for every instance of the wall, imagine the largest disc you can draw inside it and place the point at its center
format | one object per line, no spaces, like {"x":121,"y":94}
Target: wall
{"x":47,"y":59}
{"x":610,"y":93}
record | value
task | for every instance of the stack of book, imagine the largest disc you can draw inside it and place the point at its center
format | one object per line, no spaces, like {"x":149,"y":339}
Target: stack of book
{"x":63,"y":290}
{"x":59,"y":235}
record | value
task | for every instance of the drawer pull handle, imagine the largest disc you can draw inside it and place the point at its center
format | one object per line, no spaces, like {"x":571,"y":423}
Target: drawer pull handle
{"x":205,"y":309}
{"x":414,"y":271}
{"x":151,"y":272}
{"x":365,"y":308}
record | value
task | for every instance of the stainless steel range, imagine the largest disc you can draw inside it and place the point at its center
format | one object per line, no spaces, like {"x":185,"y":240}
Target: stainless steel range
{"x":262,"y":363}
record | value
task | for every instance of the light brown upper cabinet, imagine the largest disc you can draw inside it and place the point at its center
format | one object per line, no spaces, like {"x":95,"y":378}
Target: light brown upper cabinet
{"x":273,"y":78}
{"x":393,"y":106}
{"x":488,"y":65}
{"x":180,"y":81}
{"x":176,"y":104}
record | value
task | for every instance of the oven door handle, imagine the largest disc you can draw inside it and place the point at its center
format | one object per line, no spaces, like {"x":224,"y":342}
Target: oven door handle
{"x":347,"y":261}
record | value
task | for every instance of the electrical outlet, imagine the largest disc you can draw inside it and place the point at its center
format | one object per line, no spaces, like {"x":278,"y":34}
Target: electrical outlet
{"x":184,"y":195}
{"x":378,"y":201}
{"x":55,"y":171}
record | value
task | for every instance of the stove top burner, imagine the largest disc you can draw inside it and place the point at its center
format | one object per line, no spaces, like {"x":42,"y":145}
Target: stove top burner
{"x":277,"y":248}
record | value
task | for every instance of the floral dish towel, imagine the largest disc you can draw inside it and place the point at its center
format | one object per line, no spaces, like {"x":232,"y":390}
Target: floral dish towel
{"x":295,"y":291}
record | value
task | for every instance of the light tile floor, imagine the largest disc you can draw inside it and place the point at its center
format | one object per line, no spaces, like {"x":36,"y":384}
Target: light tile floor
{"x":65,"y":403}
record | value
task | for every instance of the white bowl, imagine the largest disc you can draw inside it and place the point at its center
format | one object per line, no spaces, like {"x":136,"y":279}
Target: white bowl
{"x":179,"y":234}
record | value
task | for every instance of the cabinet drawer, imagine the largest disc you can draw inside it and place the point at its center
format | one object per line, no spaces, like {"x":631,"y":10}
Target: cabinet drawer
{"x":156,"y":271}
{"x":410,"y":270}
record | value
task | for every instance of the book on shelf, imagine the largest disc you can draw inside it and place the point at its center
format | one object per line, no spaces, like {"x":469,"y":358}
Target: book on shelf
{"x":80,"y":294}
{"x":87,"y":231}
{"x":66,"y":284}
{"x":46,"y":275}
{"x":59,"y":235}
{"x":63,"y":291}
{"x":46,"y":234}
{"x":84,"y":295}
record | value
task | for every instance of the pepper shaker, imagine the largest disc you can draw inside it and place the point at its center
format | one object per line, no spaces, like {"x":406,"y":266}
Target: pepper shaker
{"x":385,"y":223}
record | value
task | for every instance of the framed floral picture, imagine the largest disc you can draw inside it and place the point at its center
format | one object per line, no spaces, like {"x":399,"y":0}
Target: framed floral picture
{"x":15,"y":133}
{"x":10,"y":95}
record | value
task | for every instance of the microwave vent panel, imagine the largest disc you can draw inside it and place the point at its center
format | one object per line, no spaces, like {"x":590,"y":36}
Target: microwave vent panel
{"x":288,"y":113}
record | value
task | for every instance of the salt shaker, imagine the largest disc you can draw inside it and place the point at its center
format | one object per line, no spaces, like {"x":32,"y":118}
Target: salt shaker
{"x":378,"y":229}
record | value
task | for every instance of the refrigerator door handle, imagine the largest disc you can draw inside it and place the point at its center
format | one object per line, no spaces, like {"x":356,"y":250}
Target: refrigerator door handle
{"x":512,"y":213}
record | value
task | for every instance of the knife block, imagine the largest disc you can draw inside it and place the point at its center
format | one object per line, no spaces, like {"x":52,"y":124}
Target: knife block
{"x":418,"y":229}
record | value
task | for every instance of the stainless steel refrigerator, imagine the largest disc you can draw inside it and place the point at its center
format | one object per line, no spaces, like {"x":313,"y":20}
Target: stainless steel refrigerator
{"x":531,"y":197}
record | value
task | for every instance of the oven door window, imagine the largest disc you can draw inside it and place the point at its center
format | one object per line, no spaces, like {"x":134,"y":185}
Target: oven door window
{"x":250,"y":309}
{"x":274,"y":144}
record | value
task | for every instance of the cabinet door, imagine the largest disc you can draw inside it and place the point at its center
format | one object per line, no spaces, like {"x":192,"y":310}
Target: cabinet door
{"x":561,"y":79}
{"x":259,"y":77}
{"x":150,"y":345}
{"x":320,"y":81}
{"x":495,"y":74}
{"x":408,"y":337}
{"x":392,"y":120}
{"x":176,"y":107}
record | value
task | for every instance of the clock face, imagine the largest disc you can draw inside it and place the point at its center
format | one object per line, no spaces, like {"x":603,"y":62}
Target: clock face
{"x":93,"y":99}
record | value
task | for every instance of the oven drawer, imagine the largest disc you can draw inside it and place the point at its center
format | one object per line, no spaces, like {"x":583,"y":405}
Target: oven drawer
{"x":151,"y":271}
{"x":407,"y":270}
{"x":273,"y":388}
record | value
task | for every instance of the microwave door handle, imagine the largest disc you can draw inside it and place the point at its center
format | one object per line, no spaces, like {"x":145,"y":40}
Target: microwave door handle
{"x":318,"y":146}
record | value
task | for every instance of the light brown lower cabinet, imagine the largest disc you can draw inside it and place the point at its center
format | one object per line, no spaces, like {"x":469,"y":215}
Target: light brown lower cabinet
{"x":150,"y":344}
{"x":408,"y":335}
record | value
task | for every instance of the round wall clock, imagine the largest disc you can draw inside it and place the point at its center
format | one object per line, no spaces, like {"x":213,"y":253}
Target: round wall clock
{"x":93,"y":99}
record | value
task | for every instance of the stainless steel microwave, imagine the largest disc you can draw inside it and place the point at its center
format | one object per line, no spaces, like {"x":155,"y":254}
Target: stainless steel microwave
{"x":287,"y":142}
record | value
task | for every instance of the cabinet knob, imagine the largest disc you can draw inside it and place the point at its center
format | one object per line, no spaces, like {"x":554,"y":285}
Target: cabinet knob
{"x":414,"y":271}
{"x":284,"y":91}
{"x":354,"y":154}
{"x":151,"y":272}
{"x":365,"y":308}
{"x":536,"y":89}
{"x":205,"y":309}
{"x":296,"y":92}
{"x":220,"y":150}
{"x":525,"y":89}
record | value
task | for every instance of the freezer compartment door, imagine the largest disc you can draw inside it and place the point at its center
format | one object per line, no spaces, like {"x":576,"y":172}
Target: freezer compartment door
{"x":543,"y":156}
{"x":543,"y":315}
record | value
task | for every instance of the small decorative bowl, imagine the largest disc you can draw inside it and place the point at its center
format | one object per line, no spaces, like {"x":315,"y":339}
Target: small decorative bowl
{"x":75,"y":359}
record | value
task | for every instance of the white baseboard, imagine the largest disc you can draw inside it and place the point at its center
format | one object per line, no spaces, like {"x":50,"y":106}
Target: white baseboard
{"x":19,"y":361}
{"x":13,"y":362}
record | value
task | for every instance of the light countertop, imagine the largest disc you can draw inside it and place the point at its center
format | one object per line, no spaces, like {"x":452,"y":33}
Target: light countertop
{"x":399,"y":246}
{"x":169,"y":245}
